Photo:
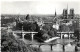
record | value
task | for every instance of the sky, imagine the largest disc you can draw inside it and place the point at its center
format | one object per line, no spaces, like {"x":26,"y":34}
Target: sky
{"x":38,"y":7}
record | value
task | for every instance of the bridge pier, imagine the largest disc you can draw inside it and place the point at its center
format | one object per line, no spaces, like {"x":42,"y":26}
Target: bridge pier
{"x":23,"y":36}
{"x":32,"y":36}
{"x":69,"y":35}
{"x":51,"y":47}
{"x":61,"y":36}
{"x":39,"y":45}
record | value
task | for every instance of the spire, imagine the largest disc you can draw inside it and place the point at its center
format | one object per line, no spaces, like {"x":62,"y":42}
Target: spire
{"x":55,"y":12}
{"x":67,"y":10}
{"x":67,"y":6}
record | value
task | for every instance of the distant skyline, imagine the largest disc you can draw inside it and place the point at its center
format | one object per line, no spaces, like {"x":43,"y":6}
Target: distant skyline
{"x":36,"y":7}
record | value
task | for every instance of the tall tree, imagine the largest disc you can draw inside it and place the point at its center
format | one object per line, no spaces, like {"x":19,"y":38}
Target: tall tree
{"x":76,"y":34}
{"x":27,"y":17}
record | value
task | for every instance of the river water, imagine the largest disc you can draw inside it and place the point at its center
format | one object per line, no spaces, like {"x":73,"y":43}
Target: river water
{"x":56,"y":47}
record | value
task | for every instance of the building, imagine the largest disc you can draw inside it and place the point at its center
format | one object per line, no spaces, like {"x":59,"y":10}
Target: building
{"x":72,"y":13}
{"x":65,"y":13}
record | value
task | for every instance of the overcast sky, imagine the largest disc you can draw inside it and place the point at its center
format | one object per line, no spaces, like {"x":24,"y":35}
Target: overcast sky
{"x":37,"y":7}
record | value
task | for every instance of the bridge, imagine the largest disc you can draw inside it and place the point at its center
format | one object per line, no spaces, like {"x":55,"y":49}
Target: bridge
{"x":51,"y":45}
{"x":24,"y":33}
{"x":65,"y":33}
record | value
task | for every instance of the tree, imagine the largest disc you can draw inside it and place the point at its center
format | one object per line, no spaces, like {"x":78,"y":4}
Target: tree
{"x":51,"y":33}
{"x":27,"y":17}
{"x":27,"y":26}
{"x":64,"y":28}
{"x":46,"y":27}
{"x":46,"y":36}
{"x":76,"y":34}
